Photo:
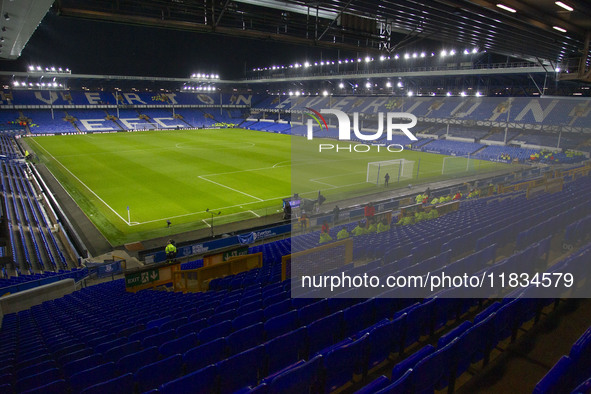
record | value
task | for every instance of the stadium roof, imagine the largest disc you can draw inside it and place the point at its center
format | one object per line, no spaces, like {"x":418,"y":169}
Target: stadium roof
{"x":536,"y":28}
{"x":18,"y":21}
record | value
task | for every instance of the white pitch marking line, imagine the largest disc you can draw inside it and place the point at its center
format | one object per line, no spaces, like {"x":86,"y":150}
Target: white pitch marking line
{"x":281,"y":162}
{"x":323,"y":183}
{"x":216,"y":209}
{"x":208,"y":225}
{"x":254,"y":213}
{"x":84,"y":184}
{"x":230,"y":188}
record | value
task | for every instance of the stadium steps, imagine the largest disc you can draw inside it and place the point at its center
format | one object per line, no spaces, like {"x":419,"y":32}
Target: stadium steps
{"x":114,"y":122}
{"x":474,"y":153}
{"x":27,"y":128}
{"x":73,"y":123}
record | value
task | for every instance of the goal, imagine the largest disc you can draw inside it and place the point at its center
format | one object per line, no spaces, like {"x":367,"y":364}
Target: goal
{"x":144,"y":126}
{"x":457,"y":164}
{"x":399,"y":169}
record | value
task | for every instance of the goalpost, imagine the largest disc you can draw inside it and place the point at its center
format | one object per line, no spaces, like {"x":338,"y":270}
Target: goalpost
{"x":399,"y":169}
{"x":144,"y":126}
{"x":456,"y":164}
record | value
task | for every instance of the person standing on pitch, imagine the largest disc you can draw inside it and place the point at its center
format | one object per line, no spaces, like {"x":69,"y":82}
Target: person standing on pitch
{"x":386,"y":179}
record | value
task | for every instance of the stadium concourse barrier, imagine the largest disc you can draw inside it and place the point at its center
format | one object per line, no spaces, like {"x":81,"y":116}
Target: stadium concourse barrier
{"x":198,"y":279}
{"x":150,"y":276}
{"x":25,"y":299}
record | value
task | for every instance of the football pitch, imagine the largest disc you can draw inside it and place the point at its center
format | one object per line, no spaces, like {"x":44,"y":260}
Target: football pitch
{"x":130,"y":184}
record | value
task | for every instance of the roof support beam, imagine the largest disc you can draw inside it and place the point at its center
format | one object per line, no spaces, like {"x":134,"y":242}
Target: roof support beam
{"x":335,"y":19}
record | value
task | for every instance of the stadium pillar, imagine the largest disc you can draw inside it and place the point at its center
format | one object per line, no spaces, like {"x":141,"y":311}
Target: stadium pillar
{"x":507,"y":124}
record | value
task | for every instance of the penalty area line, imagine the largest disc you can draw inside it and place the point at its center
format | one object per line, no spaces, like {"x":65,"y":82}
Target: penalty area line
{"x":230,"y":188}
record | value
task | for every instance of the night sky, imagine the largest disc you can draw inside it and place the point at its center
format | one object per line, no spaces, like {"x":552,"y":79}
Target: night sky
{"x":93,"y":47}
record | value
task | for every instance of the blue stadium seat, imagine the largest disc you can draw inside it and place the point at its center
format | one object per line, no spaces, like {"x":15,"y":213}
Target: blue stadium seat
{"x":132,"y":362}
{"x":312,"y":312}
{"x":269,"y":378}
{"x":245,"y":338}
{"x":342,"y":362}
{"x":56,"y":387}
{"x":156,"y":323}
{"x":153,"y":375}
{"x":69,"y":349}
{"x":250,"y":307}
{"x":410,"y":362}
{"x":248,"y":319}
{"x":32,"y":361}
{"x":103,"y":347}
{"x":140,"y":335}
{"x":36,"y":380}
{"x":279,"y":308}
{"x":324,"y":332}
{"x":120,"y":385}
{"x":114,"y":354}
{"x":202,"y":381}
{"x":557,"y":379}
{"x":241,"y":370}
{"x":435,"y":371}
{"x":66,"y":358}
{"x":376,"y":385}
{"x":583,"y":388}
{"x":76,"y":366}
{"x":281,"y":324}
{"x":402,"y":385}
{"x":193,"y":326}
{"x":385,"y":337}
{"x":285,"y":350}
{"x":221,"y":317}
{"x":173,"y":324}
{"x":92,"y":376}
{"x":206,"y":354}
{"x":158,"y":339}
{"x":179,"y":345}
{"x":304,"y":378}
{"x":219,"y":330}
{"x":35,"y":369}
{"x":476,"y":343}
{"x":359,"y":316}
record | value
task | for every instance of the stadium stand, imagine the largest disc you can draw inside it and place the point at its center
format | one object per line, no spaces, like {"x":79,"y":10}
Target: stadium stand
{"x":454,"y":148}
{"x":102,"y":336}
{"x":108,"y":338}
{"x":495,"y":153}
{"x":33,"y":245}
{"x":42,"y":122}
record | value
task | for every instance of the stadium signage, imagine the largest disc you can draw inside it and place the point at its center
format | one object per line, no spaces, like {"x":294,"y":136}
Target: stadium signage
{"x":345,"y":124}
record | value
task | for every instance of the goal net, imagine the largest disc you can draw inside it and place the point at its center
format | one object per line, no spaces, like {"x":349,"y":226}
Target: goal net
{"x":144,"y":126}
{"x":397,"y":170}
{"x":457,"y":164}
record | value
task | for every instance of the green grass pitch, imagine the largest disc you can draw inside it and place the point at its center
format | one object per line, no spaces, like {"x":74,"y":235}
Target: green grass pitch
{"x":177,"y":175}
